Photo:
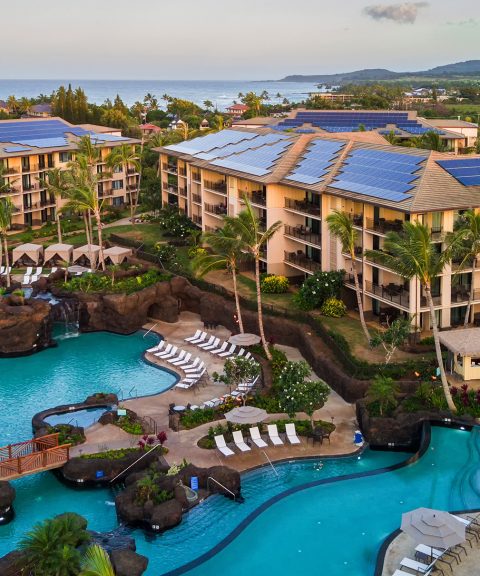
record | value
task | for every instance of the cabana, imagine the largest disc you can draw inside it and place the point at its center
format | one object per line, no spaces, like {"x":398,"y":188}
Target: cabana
{"x":116,"y":254}
{"x":31,"y":252}
{"x":82,"y":254}
{"x":56,"y":252}
{"x":464,"y":351}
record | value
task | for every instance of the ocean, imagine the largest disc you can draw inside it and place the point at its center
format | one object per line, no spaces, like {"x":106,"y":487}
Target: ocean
{"x":221,"y":93}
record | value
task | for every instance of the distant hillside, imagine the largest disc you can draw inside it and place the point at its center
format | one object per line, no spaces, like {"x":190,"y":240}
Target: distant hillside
{"x":468,"y":68}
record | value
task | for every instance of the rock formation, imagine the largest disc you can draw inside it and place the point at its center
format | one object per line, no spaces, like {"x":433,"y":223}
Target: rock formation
{"x":7,"y":496}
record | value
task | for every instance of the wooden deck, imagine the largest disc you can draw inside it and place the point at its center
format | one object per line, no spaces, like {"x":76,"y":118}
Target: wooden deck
{"x":32,"y":456}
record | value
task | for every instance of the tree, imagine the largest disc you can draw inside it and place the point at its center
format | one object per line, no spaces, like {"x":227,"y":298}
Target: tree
{"x":56,"y":184}
{"x":208,"y":104}
{"x":125,"y":156}
{"x":6,"y":211}
{"x":467,"y":247}
{"x":297,"y":394}
{"x":393,"y":337}
{"x":411,"y":254}
{"x":253,"y":240}
{"x":96,"y":562}
{"x":383,"y":390}
{"x":341,"y":226}
{"x":237,"y":371}
{"x":227,"y":253}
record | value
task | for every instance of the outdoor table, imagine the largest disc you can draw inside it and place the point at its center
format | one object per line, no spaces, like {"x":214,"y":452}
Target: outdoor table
{"x":179,"y":408}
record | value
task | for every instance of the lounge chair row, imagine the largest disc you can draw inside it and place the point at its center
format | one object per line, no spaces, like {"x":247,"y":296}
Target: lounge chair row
{"x":273,"y":436}
{"x":193,"y":369}
{"x":3,"y":270}
{"x":31,"y":276}
{"x":214,"y":345}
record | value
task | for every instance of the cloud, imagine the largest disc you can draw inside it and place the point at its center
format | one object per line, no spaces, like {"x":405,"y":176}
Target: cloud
{"x":405,"y":13}
{"x":468,"y":22}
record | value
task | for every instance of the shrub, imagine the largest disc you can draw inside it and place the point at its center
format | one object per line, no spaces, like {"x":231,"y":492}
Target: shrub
{"x":99,"y":283}
{"x":272,"y":284}
{"x":195,"y":251}
{"x":174,"y":223}
{"x":428,"y":341}
{"x":193,"y":418}
{"x":303,"y":427}
{"x":318,"y":288}
{"x":167,"y":253}
{"x":129,"y":425}
{"x":110,"y":454}
{"x":333,"y":308}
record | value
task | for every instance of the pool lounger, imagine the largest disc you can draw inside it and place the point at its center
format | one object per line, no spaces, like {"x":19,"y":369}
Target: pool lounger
{"x":27,"y":276}
{"x":209,"y":342}
{"x":172,"y":354}
{"x":182,"y":362}
{"x":201,"y":338}
{"x":194,"y":337}
{"x":222,"y":348}
{"x":157,"y":348}
{"x":213,"y":403}
{"x":229,"y":352}
{"x":194,"y":370}
{"x":213,"y":345}
{"x":256,"y":438}
{"x":222,"y":446}
{"x":164,"y":352}
{"x":240,"y":442}
{"x":273,"y":435}
{"x":291,"y":433}
{"x":178,"y":358}
{"x":418,"y":567}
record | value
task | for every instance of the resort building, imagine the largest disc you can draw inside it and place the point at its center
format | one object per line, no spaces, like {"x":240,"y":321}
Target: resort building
{"x":236,"y":110}
{"x":300,"y":177}
{"x":31,"y":147}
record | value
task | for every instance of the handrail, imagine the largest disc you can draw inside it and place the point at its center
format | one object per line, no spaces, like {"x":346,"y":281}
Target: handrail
{"x":271,"y":463}
{"x":131,"y":390}
{"x":133,"y":464}
{"x":221,"y":486}
{"x":146,"y":333}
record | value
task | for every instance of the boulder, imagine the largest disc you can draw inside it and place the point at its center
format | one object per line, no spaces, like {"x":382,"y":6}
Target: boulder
{"x":111,"y":541}
{"x":7,"y":495}
{"x":102,"y":398}
{"x":11,"y":564}
{"x":127,"y":508}
{"x":228,"y":477}
{"x":128,"y":563}
{"x":166,"y":515}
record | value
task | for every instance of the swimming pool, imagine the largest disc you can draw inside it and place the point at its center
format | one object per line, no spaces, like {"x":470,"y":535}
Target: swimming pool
{"x":84,"y":418}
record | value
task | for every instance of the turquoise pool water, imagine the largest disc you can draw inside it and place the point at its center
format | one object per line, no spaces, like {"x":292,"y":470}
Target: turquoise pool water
{"x":84,"y":418}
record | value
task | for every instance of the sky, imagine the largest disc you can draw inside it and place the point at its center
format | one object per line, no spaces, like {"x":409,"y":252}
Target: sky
{"x":231,"y":39}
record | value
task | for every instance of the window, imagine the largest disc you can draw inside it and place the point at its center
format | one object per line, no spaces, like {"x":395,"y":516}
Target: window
{"x":117,"y":185}
{"x":117,"y":169}
{"x":65,"y":156}
{"x":118,"y":201}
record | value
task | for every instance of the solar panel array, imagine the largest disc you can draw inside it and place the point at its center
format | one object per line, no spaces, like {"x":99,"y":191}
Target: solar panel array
{"x":316,"y":161}
{"x":466,"y":170}
{"x":211,"y":141}
{"x":258,"y":162}
{"x":385,"y":175}
{"x":240,"y":146}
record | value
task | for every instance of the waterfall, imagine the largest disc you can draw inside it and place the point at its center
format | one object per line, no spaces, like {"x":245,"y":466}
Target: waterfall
{"x":67,"y":317}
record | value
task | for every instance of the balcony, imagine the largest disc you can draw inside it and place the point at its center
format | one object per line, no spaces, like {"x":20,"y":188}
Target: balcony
{"x":437,"y":300}
{"x":357,"y":219}
{"x":461,"y":293}
{"x":196,"y":219}
{"x":383,"y":226}
{"x":170,"y":168}
{"x":350,"y":280}
{"x":220,"y":187}
{"x":170,"y":188}
{"x":358,"y":251}
{"x":30,"y":168}
{"x":131,"y":171}
{"x":182,"y":172}
{"x":216,"y":209}
{"x":257,"y":197}
{"x":196,"y":176}
{"x":10,"y":191}
{"x":10,"y":171}
{"x":394,"y":293}
{"x":183,"y":192}
{"x":30,"y":187}
{"x":303,"y":234}
{"x":436,"y":233}
{"x":303,"y":206}
{"x":132,"y":187}
{"x":197,"y":198}
{"x":376,"y":261}
{"x":301,"y":260}
{"x":38,"y":205}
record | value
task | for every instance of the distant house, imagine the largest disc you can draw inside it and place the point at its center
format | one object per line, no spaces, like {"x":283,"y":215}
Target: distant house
{"x":148,"y":129}
{"x":204,"y":125}
{"x":40,"y":110}
{"x":176,"y":124}
{"x":237,"y":110}
{"x":3,"y":106}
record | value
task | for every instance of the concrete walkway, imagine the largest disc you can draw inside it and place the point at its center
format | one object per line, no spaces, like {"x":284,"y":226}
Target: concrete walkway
{"x":183,"y":444}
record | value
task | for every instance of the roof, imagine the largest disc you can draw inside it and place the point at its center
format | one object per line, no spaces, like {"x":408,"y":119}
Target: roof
{"x":41,"y":108}
{"x":363,"y":166}
{"x":464,"y":341}
{"x":149,"y":127}
{"x":241,"y":107}
{"x":256,"y":121}
{"x":3,"y":104}
{"x":98,"y":129}
{"x":450,"y":123}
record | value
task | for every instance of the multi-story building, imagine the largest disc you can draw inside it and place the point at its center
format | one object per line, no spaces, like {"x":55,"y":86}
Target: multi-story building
{"x":31,"y":147}
{"x":299,"y":178}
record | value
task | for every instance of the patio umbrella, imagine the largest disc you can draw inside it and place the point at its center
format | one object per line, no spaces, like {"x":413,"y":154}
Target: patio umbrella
{"x":433,"y":528}
{"x":246,"y":415}
{"x":244,"y":339}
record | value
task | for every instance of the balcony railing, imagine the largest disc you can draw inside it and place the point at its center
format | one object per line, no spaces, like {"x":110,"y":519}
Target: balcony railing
{"x":376,"y":261}
{"x":394,"y":293}
{"x":383,"y":226}
{"x":301,"y":260}
{"x":38,"y":205}
{"x":170,"y":188}
{"x":182,"y":192}
{"x":9,"y":171}
{"x":436,"y":233}
{"x":182,"y":171}
{"x":197,"y":219}
{"x":132,"y":171}
{"x":132,"y":187}
{"x":303,"y":233}
{"x":437,"y":300}
{"x":197,"y":198}
{"x":196,"y":176}
{"x":303,"y":206}
{"x":170,"y":168}
{"x":257,"y":197}
{"x":216,"y":186}
{"x":460,"y":293}
{"x":30,"y":168}
{"x":357,"y":219}
{"x":10,"y":191}
{"x":349,"y":279}
{"x":217,"y":209}
{"x":358,"y":250}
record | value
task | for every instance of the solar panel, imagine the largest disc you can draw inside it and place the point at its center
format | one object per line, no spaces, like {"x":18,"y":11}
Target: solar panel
{"x":465,"y":170}
{"x":257,"y":162}
{"x":240,"y":146}
{"x":370,"y":191}
{"x":17,"y":149}
{"x":470,"y":180}
{"x":211,"y":141}
{"x":319,"y":155}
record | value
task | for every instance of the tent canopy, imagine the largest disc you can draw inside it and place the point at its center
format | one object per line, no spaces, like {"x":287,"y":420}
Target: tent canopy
{"x":33,"y":251}
{"x":465,"y":342}
{"x":85,"y":251}
{"x":117,"y":254}
{"x":63,"y":251}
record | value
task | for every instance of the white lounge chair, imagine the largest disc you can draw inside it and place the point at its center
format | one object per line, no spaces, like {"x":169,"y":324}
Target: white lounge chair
{"x":213,"y":403}
{"x":27,"y":276}
{"x":256,"y":438}
{"x":209,"y":342}
{"x":157,"y":348}
{"x":180,"y":357}
{"x":171,"y":354}
{"x":194,"y":337}
{"x":193,"y":370}
{"x":193,"y":364}
{"x":213,"y":345}
{"x":240,"y":442}
{"x":186,"y":360}
{"x":222,"y":446}
{"x":38,"y":273}
{"x":430,"y":552}
{"x":2,"y":270}
{"x":201,"y":338}
{"x":53,"y":270}
{"x":273,"y":435}
{"x":228,"y":352}
{"x":248,"y":355}
{"x":222,"y":348}
{"x":4,"y":273}
{"x":186,"y":384}
{"x":291,"y":433}
{"x":241,"y":352}
{"x":164,"y":352}
{"x":416,"y":566}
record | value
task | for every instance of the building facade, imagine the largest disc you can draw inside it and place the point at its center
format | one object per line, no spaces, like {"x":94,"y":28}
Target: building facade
{"x":31,"y":147}
{"x":300,"y":178}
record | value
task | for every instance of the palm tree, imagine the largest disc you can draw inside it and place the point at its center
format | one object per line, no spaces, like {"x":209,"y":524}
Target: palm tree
{"x":383,"y":390}
{"x":227,"y":250}
{"x":92,"y":153}
{"x":6,"y":210}
{"x":56,"y":184}
{"x":96,"y":562}
{"x":247,"y":227}
{"x":467,"y":246}
{"x":411,"y":254}
{"x":124,"y":156}
{"x":341,"y":226}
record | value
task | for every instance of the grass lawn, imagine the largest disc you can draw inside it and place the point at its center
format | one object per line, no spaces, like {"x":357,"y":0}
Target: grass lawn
{"x":247,"y":289}
{"x":147,"y":233}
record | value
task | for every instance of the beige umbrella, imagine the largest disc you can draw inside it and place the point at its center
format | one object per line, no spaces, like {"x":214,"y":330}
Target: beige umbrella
{"x":244,"y":339}
{"x":433,"y":528}
{"x":246,"y":415}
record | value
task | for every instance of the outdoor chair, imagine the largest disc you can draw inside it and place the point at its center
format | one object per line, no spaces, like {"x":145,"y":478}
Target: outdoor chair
{"x":213,"y":403}
{"x":241,"y":352}
{"x":171,"y":354}
{"x":222,"y":446}
{"x":228,"y":352}
{"x":177,"y":358}
{"x":213,"y":345}
{"x":209,"y":342}
{"x":419,"y":567}
{"x":194,"y":337}
{"x":185,"y":360}
{"x":158,"y":347}
{"x":193,"y":364}
{"x":291,"y":434}
{"x":256,"y":438}
{"x":427,"y":553}
{"x":37,"y":274}
{"x":27,"y":276}
{"x":240,"y":442}
{"x":164,"y":352}
{"x":222,"y":348}
{"x":193,"y":370}
{"x":201,"y":338}
{"x":273,"y":435}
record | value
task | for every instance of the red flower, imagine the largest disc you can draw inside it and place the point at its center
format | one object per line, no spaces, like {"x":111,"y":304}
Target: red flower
{"x":162,"y":437}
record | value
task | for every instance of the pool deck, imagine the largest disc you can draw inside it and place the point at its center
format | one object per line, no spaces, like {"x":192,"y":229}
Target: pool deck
{"x":183,"y":444}
{"x":403,"y":546}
